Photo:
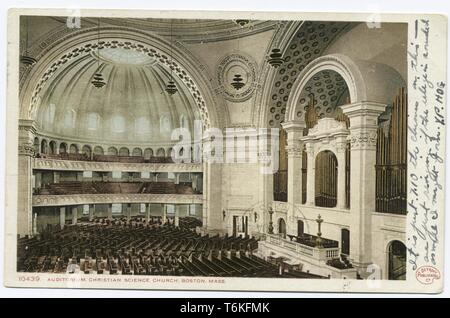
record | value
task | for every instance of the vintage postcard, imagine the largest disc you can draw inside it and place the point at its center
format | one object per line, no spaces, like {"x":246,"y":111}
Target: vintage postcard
{"x":226,"y":151}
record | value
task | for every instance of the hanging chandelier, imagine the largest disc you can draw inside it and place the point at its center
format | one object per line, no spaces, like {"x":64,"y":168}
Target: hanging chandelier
{"x":242,"y":23}
{"x":24,"y":57}
{"x":98,"y":80}
{"x":275,"y":58}
{"x":171,"y":88}
{"x":237,"y":82}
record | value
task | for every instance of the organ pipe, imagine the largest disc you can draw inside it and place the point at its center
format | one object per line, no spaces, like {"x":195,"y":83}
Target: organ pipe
{"x":391,"y":159}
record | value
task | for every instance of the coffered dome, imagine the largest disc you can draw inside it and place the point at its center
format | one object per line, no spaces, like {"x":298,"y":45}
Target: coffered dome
{"x":133,"y":105}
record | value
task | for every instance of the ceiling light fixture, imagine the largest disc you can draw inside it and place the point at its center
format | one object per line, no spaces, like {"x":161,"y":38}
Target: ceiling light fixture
{"x":237,"y":82}
{"x":242,"y":23}
{"x":275,"y":58}
{"x":98,"y":80}
{"x":171,"y":88}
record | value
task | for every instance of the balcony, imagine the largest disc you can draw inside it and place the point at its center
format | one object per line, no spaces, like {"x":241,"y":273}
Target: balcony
{"x":316,"y":253}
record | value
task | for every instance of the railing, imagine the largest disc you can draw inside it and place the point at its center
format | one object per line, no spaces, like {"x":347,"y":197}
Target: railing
{"x":313,"y":252}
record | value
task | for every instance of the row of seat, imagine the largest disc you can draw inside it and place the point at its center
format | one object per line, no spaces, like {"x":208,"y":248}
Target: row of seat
{"x":83,"y":187}
{"x":105,"y":158}
{"x":137,"y":247}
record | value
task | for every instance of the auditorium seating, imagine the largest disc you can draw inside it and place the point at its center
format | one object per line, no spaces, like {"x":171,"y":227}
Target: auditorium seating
{"x":84,"y":187}
{"x":135,"y":247}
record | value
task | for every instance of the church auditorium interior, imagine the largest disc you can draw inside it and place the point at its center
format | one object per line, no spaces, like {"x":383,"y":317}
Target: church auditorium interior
{"x":224,"y":148}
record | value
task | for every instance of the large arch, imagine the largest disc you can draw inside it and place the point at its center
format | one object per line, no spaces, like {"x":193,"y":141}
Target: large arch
{"x":76,"y":43}
{"x":366,"y":81}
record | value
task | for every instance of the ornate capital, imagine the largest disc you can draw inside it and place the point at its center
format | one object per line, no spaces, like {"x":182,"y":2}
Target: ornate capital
{"x":26,"y":149}
{"x":294,"y":151}
{"x":364,"y":140}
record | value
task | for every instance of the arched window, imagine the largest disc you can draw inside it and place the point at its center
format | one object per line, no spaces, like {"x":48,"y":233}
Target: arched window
{"x":282,"y":227}
{"x":137,"y":152}
{"x":118,"y":124}
{"x":142,"y":126}
{"x":93,"y":121}
{"x":112,"y":151}
{"x":184,"y":122}
{"x":124,"y":151}
{"x":397,"y":261}
{"x":36,"y":145}
{"x":98,"y":150}
{"x":73,"y":148}
{"x":326,"y":179}
{"x":52,"y":147}
{"x":63,"y":147}
{"x":69,"y":118}
{"x":86,"y":150}
{"x":164,"y":125}
{"x":44,"y":148}
{"x":161,"y":152}
{"x":148,"y":153}
{"x":49,"y":115}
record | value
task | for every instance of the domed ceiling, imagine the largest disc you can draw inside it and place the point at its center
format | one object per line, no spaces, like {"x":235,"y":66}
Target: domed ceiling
{"x":133,"y":105}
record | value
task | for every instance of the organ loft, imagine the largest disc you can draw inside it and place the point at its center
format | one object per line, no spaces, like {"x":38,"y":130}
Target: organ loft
{"x":292,"y":161}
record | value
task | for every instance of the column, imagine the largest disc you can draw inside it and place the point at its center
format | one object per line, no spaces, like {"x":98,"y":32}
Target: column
{"x":310,"y":175}
{"x":109,"y":211}
{"x":62,"y":217}
{"x":56,"y":177}
{"x":128,"y":211}
{"x":340,"y":156}
{"x":164,"y":209}
{"x":212,"y":183}
{"x":294,"y":146}
{"x":363,"y":138}
{"x":177,"y":214}
{"x":91,"y":212}
{"x":147,"y":213}
{"x":74,"y":215}
{"x":27,"y":132}
{"x":38,"y":180}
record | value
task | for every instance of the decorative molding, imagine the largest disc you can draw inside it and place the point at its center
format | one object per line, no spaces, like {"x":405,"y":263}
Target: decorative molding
{"x":227,"y":69}
{"x":87,"y":48}
{"x":79,"y":199}
{"x":364,"y":140}
{"x":52,"y":164}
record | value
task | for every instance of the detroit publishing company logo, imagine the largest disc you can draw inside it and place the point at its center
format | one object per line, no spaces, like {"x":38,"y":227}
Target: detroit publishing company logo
{"x":427,"y":274}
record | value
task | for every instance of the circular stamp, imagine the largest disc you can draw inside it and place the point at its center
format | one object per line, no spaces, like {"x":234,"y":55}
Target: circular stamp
{"x":427,"y":274}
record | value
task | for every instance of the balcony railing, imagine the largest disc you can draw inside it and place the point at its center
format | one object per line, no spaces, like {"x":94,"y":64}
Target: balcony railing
{"x":312,"y":252}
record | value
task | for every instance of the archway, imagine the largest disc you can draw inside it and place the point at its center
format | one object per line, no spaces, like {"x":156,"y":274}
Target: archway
{"x":73,"y":149}
{"x":326,"y":179}
{"x":52,"y":147}
{"x":148,"y":153}
{"x":82,"y":43}
{"x":282,"y":227}
{"x":137,"y":152}
{"x":44,"y":148}
{"x":98,"y":150}
{"x":343,"y":81}
{"x":345,"y":241}
{"x":396,"y":261}
{"x":124,"y":151}
{"x":86,"y":150}
{"x":112,"y":151}
{"x":62,"y":148}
